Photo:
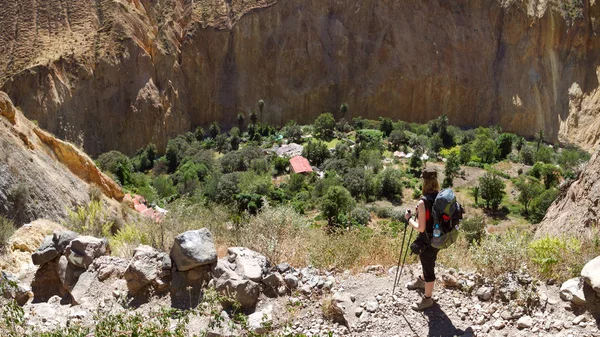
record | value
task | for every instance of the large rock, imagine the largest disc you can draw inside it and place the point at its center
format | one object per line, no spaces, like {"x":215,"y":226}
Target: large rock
{"x":591,"y":274}
{"x":62,"y":238}
{"x":260,"y":322}
{"x":46,"y":282}
{"x":68,"y":273}
{"x":83,"y":286}
{"x":230,"y":284}
{"x":574,"y":290}
{"x":82,"y":250}
{"x":14,"y":290}
{"x":148,"y":266}
{"x":249,"y":264}
{"x":109,"y":266}
{"x":187,"y":286}
{"x":45,"y":252}
{"x":274,"y":284}
{"x":193,"y":249}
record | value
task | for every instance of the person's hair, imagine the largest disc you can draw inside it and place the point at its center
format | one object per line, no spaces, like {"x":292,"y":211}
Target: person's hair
{"x":430,"y":186}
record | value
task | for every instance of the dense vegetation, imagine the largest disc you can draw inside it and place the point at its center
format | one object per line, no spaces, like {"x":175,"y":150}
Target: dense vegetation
{"x":235,"y":184}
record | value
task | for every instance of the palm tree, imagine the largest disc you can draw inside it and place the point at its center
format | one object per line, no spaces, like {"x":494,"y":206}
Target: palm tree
{"x":344,"y":109}
{"x":253,"y":116}
{"x":540,"y":138}
{"x":214,"y":130}
{"x":240,"y":120}
{"x":199,"y":134}
{"x":261,"y":106}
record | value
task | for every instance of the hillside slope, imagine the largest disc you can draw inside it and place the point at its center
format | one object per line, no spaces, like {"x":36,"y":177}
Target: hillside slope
{"x":576,"y":211}
{"x":41,"y":176}
{"x":148,"y":70}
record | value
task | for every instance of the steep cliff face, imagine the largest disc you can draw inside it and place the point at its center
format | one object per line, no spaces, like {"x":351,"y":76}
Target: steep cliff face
{"x":41,"y":176}
{"x":576,"y":211}
{"x":117,"y":74}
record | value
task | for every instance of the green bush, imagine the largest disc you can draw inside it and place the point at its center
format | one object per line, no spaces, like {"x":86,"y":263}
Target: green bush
{"x":504,"y":142}
{"x":497,"y":255}
{"x":386,"y":126}
{"x":492,"y":189}
{"x":316,"y":152}
{"x":473,"y":229}
{"x":360,"y":216}
{"x":92,"y":219}
{"x":546,"y":253}
{"x":527,"y":155}
{"x":7,"y":228}
{"x":336,"y":202}
{"x":541,"y":203}
{"x":390,"y":181}
{"x":324,"y":126}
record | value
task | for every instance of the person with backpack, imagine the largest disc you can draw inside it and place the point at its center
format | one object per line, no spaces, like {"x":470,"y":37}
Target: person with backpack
{"x":427,"y":253}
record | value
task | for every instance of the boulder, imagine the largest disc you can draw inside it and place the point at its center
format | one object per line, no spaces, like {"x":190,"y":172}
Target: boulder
{"x":83,"y":286}
{"x":68,"y":273}
{"x":244,"y":291}
{"x":576,"y":291}
{"x":372,"y":306}
{"x":148,"y":266}
{"x":82,"y":250}
{"x":108,"y":266}
{"x":291,"y":281}
{"x":193,"y":249}
{"x":45,"y":252}
{"x":275,"y":285}
{"x":46,"y":282}
{"x":249,"y":264}
{"x":485,"y":293}
{"x":450,"y":281}
{"x":15,"y":291}
{"x":525,"y":322}
{"x":62,"y":238}
{"x":187,"y":286}
{"x":283,"y":267}
{"x":591,"y":274}
{"x":261,"y":321}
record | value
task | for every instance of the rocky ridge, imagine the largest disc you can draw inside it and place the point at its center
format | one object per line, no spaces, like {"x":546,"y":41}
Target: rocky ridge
{"x":149,"y":70}
{"x":294,"y":301}
{"x":41,"y":176}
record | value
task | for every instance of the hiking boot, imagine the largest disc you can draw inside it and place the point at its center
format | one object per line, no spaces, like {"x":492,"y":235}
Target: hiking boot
{"x":424,"y":303}
{"x":416,"y":284}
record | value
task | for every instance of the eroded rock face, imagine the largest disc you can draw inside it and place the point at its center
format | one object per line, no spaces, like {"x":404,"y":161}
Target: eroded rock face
{"x":591,"y":274}
{"x":82,"y":250}
{"x":521,"y":65}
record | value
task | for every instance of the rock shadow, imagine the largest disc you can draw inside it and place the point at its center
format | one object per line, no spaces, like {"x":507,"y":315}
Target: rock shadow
{"x":441,"y":325}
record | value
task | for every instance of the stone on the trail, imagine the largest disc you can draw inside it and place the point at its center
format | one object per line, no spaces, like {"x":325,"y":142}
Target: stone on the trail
{"x":148,"y":265}
{"x":305,"y":290}
{"x":573,"y":290}
{"x":260,"y":321}
{"x":82,"y":250}
{"x":525,"y":322}
{"x":83,"y":286}
{"x":485,"y":293}
{"x":329,"y":282}
{"x":283,"y":267}
{"x":193,"y":249}
{"x":579,"y":319}
{"x":336,"y":312}
{"x":499,"y":324}
{"x":108,"y":266}
{"x":19,"y":292}
{"x":358,"y":312}
{"x":229,"y":283}
{"x":376,"y":269}
{"x":372,"y":306}
{"x":45,"y":252}
{"x":449,"y":281}
{"x":62,"y":238}
{"x":591,"y":274}
{"x":275,"y":285}
{"x":249,"y":264}
{"x":291,"y":281}
{"x":68,"y":273}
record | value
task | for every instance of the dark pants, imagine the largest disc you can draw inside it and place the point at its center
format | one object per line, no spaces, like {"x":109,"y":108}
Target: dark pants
{"x":428,"y":257}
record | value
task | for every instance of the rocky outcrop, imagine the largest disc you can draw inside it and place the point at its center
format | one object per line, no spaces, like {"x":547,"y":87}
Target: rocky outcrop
{"x":150,"y":70}
{"x":576,"y":211}
{"x":41,"y":176}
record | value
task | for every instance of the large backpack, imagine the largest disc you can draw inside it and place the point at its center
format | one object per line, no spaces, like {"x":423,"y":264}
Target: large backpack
{"x":444,"y":213}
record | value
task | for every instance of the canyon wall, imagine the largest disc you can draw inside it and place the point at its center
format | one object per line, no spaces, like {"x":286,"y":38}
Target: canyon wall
{"x":117,"y":74}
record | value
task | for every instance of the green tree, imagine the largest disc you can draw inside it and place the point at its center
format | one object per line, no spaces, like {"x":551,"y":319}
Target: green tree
{"x":475,"y":194}
{"x":435,"y":143}
{"x":541,"y":203}
{"x":354,"y":181}
{"x":336,"y":201}
{"x":253,"y":117}
{"x":504,"y":145}
{"x":214,"y":129}
{"x":492,"y":190}
{"x":294,"y":133}
{"x":485,"y":148}
{"x":465,"y":153}
{"x":386,"y":126}
{"x":324,"y":126}
{"x":451,"y":169}
{"x":261,"y":107}
{"x":390,"y":181}
{"x":539,"y":137}
{"x":527,"y":156}
{"x":520,"y":142}
{"x":529,"y":188}
{"x":199,"y":133}
{"x":316,"y":152}
{"x":164,"y":187}
{"x":343,"y":109}
{"x":240,"y":120}
{"x":415,"y":163}
{"x":396,"y":139}
{"x":280,"y":165}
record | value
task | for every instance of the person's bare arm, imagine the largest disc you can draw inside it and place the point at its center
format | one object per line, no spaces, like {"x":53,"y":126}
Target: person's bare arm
{"x":421,"y":222}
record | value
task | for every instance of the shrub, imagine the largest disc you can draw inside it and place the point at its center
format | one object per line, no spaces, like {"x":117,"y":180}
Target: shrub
{"x":544,"y":155}
{"x":541,"y":203}
{"x":354,"y":181}
{"x":144,"y":158}
{"x":504,"y":142}
{"x":336,"y":201}
{"x":124,"y":242}
{"x":316,"y":152}
{"x":92,"y":219}
{"x":473,"y":229}
{"x":7,"y":228}
{"x":497,"y":255}
{"x":294,"y":133}
{"x":281,"y":165}
{"x":451,"y":169}
{"x":227,"y":188}
{"x":391,"y":184}
{"x":386,"y":126}
{"x":175,"y":152}
{"x":360,"y":216}
{"x":339,"y":166}
{"x":396,"y":139}
{"x":492,"y":190}
{"x":163,"y":185}
{"x":528,"y":188}
{"x":547,"y":252}
{"x":118,"y":164}
{"x":527,"y":155}
{"x":485,"y":148}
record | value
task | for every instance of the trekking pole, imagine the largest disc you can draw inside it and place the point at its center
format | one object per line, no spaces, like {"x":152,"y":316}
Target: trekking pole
{"x":406,"y":252}
{"x":400,"y":259}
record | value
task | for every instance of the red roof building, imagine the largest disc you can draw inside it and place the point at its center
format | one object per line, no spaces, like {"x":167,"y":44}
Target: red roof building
{"x":300,"y":164}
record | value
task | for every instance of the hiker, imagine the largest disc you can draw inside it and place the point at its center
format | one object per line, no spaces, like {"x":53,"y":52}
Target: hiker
{"x":427,"y":253}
